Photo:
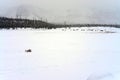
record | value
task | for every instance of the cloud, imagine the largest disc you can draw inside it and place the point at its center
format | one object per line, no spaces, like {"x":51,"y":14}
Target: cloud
{"x":106,"y":11}
{"x":64,"y":4}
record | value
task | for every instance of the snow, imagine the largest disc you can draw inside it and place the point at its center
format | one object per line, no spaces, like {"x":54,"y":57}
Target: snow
{"x":59,"y":55}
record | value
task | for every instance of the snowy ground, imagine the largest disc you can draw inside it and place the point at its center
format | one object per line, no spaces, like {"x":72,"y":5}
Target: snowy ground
{"x":59,"y":55}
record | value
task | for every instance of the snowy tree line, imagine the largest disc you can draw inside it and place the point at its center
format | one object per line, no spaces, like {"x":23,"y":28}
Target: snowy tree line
{"x":14,"y":23}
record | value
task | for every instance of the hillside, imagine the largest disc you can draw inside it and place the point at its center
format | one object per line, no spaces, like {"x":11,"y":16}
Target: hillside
{"x":22,"y":23}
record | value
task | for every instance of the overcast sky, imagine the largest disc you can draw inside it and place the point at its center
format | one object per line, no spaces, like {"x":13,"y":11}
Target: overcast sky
{"x":64,"y":4}
{"x":94,"y":8}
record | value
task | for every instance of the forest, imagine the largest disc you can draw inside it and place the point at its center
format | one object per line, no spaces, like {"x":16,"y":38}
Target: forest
{"x":14,"y":23}
{"x":7,"y":23}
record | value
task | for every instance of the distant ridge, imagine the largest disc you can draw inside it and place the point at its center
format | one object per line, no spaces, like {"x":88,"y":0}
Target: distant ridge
{"x":14,"y":23}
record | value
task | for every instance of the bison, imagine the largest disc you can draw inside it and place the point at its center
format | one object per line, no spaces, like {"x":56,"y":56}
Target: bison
{"x":28,"y":50}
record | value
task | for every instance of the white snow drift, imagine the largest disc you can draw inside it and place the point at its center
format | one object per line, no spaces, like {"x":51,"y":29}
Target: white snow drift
{"x":59,"y":55}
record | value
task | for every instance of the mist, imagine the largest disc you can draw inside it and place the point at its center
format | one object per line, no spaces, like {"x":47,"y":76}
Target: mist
{"x":71,"y":11}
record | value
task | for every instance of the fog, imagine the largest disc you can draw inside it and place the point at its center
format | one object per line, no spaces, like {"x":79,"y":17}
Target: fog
{"x":62,"y":4}
{"x":86,"y":11}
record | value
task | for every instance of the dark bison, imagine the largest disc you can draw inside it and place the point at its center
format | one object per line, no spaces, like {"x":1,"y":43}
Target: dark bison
{"x":28,"y":50}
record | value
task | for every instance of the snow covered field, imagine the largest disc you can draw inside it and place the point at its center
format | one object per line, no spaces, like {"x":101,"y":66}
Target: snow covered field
{"x":59,"y":55}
